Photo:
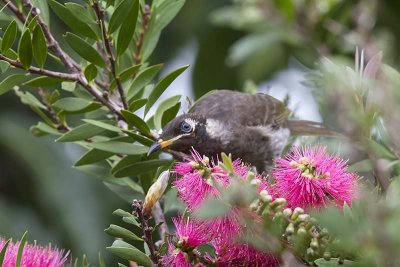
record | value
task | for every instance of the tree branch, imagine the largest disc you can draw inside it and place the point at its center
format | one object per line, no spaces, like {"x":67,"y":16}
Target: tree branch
{"x":20,"y":15}
{"x":110,"y":56}
{"x":139,"y":44}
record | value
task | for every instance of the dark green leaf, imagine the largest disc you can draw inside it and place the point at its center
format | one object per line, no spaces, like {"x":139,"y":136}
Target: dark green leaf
{"x":32,"y":24}
{"x":10,"y":81}
{"x":76,"y":105}
{"x":85,"y":14}
{"x":139,"y":138}
{"x":134,"y":120}
{"x":42,"y":129}
{"x":121,"y":213}
{"x":137,"y":104}
{"x":9,"y":36}
{"x":90,"y":72}
{"x":81,"y":132}
{"x":39,"y":46}
{"x":127,"y":29}
{"x":125,"y":75}
{"x":71,"y":20}
{"x":162,"y":107}
{"x":84,"y":49}
{"x":25,"y":53}
{"x":141,"y":167}
{"x":3,"y":251}
{"x":120,"y":232}
{"x":121,"y":14}
{"x":126,"y":161}
{"x":4,"y":65}
{"x":119,"y":147}
{"x":160,"y":18}
{"x":162,"y":85}
{"x":43,"y":81}
{"x":103,"y":125}
{"x":130,"y":253}
{"x":92,"y":156}
{"x":142,"y":79}
{"x":20,"y":249}
{"x":169,"y":114}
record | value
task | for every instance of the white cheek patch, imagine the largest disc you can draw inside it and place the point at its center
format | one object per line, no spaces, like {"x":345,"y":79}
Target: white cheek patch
{"x":217,"y":130}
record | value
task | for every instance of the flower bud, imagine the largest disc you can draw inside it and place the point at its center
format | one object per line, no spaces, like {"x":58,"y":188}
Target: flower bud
{"x":314,"y":244}
{"x":265,"y":197}
{"x":290,"y":229}
{"x":155,"y":192}
{"x":287,"y":212}
{"x":303,"y":218}
{"x":297,"y":211}
{"x":255,"y":182}
{"x":327,"y":255}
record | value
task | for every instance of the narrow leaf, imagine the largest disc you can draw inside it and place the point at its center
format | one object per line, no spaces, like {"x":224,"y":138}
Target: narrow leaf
{"x":4,"y":65}
{"x":21,"y":249}
{"x":139,"y":138}
{"x":10,"y":81}
{"x":134,"y":120}
{"x":120,"y":14}
{"x":9,"y":36}
{"x":142,"y":79}
{"x":141,"y":167}
{"x":130,"y":253}
{"x":162,"y":107}
{"x":43,"y":81}
{"x":119,"y":147}
{"x":44,"y":10}
{"x":76,"y":105}
{"x":92,"y":156}
{"x":127,"y":29}
{"x":42,"y":129}
{"x":39,"y":46}
{"x":169,"y":114}
{"x":126,"y":161}
{"x":90,"y":72}
{"x":81,"y":132}
{"x":125,"y":75}
{"x":84,"y":49}
{"x":103,"y":125}
{"x":3,"y":251}
{"x":162,"y":85}
{"x":25,"y":53}
{"x":137,"y":104}
{"x":120,"y":232}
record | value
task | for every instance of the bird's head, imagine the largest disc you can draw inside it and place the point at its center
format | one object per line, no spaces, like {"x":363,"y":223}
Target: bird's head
{"x":181,"y":133}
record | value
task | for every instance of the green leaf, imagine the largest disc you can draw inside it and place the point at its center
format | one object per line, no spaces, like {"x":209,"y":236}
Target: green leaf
{"x":126,"y":216}
{"x":10,"y":81}
{"x":84,"y":49}
{"x":130,"y":253}
{"x":334,"y":262}
{"x":3,"y":251}
{"x":127,"y":29}
{"x":162,"y":107}
{"x":29,"y":99}
{"x":76,"y":105}
{"x":92,"y":156}
{"x":162,"y":85}
{"x":125,"y":75}
{"x":121,"y":213}
{"x":43,"y":81}
{"x":25,"y":53}
{"x":134,"y":120}
{"x":212,"y":208}
{"x":87,"y":15}
{"x":90,"y":72}
{"x":126,"y":161}
{"x":68,"y":86}
{"x":9,"y":36}
{"x":142,"y":79}
{"x":81,"y":132}
{"x":137,"y":104}
{"x":42,"y":129}
{"x":4,"y":65}
{"x":161,"y":16}
{"x":39,"y":46}
{"x":121,"y":14}
{"x":20,"y":250}
{"x":71,"y":20}
{"x":169,"y":114}
{"x":141,"y":167}
{"x":120,"y":232}
{"x":139,"y":138}
{"x":103,"y":125}
{"x":102,"y":263}
{"x":119,"y":147}
{"x":227,"y":160}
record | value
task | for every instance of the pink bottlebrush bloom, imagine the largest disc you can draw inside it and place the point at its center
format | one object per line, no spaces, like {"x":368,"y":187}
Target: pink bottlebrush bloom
{"x":33,"y":255}
{"x":175,"y":257}
{"x":223,"y":227}
{"x":190,"y":233}
{"x":193,"y":189}
{"x":309,"y":177}
{"x":183,"y":168}
{"x":180,"y":260}
{"x":243,"y":255}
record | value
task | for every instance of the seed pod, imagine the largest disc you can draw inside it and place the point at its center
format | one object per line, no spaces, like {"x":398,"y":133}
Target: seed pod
{"x":155,"y":192}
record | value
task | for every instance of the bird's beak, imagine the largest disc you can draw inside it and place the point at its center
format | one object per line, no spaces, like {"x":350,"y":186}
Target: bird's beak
{"x":159,"y":144}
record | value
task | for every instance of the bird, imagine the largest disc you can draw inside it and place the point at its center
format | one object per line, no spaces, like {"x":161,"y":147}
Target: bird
{"x":252,"y":127}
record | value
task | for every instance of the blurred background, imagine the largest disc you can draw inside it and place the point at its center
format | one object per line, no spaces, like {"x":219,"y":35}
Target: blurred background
{"x":249,"y":45}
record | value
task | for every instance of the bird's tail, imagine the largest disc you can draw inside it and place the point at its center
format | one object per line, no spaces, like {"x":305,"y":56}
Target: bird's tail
{"x":304,"y":127}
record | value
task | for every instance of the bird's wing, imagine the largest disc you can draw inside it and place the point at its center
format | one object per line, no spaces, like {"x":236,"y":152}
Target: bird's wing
{"x":241,"y":108}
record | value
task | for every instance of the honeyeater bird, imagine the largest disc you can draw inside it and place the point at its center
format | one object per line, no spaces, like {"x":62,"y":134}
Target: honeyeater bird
{"x":252,"y":127}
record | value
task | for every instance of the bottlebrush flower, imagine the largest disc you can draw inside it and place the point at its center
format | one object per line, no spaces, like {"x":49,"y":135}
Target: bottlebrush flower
{"x":309,"y":177}
{"x":33,"y":255}
{"x":190,"y":233}
{"x":175,"y":258}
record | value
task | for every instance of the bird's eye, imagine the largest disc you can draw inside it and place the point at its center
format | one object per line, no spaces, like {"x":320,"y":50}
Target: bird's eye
{"x":186,"y":127}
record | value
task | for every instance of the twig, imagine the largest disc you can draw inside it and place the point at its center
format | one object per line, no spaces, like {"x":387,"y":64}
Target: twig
{"x":110,"y":56}
{"x":159,"y":218}
{"x":60,"y":124}
{"x":147,"y":230}
{"x":20,"y":15}
{"x":139,"y":44}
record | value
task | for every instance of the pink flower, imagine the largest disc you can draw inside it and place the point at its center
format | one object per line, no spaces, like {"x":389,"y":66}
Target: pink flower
{"x":33,"y":255}
{"x":243,"y":255}
{"x":190,"y":233}
{"x":309,"y":177}
{"x":175,"y":258}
